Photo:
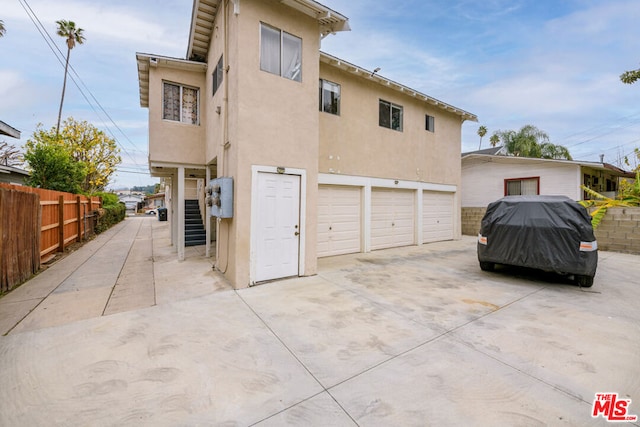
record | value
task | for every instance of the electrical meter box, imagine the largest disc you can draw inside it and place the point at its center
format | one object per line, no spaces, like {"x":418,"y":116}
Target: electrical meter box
{"x":220,"y":197}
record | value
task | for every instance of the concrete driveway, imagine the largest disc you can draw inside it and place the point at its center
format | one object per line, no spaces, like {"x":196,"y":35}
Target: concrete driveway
{"x":409,"y":336}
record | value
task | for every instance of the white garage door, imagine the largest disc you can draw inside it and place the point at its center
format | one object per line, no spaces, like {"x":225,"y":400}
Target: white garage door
{"x":339,"y":220}
{"x":437,"y":216}
{"x":392,"y":218}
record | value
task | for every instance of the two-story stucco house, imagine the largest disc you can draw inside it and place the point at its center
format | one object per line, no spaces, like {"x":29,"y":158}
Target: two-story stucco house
{"x":326,"y":158}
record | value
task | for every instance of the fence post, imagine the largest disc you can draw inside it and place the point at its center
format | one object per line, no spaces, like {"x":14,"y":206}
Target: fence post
{"x":78,"y":209}
{"x":61,"y":223}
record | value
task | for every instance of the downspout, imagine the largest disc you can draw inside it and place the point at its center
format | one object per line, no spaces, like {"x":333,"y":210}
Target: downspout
{"x":225,"y":99}
{"x":225,"y":121}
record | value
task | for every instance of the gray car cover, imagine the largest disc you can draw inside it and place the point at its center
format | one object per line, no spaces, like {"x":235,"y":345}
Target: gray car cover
{"x":550,"y":233}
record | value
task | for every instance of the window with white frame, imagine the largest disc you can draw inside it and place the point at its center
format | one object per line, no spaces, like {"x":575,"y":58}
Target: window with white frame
{"x":390,"y":115}
{"x":329,"y":97}
{"x":218,"y":75}
{"x":280,"y":53}
{"x":180,"y":103}
{"x":430,"y":123}
{"x":522,"y":186}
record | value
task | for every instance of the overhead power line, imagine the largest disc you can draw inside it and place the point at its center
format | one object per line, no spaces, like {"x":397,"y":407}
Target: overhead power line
{"x":60,"y":57}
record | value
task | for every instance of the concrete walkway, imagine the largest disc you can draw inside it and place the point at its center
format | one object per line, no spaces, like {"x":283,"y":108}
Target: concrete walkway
{"x":130,"y":266}
{"x":413,"y":336}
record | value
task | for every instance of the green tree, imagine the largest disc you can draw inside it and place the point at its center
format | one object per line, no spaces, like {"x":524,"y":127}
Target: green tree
{"x":87,"y":145}
{"x":53,"y":168}
{"x":73,"y":35}
{"x":482,"y":131}
{"x":2,"y":29}
{"x":630,"y":77}
{"x":494,"y":140}
{"x":530,"y":141}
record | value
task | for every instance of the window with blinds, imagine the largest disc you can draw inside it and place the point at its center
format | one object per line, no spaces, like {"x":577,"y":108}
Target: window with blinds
{"x":522,"y":186}
{"x":180,"y":103}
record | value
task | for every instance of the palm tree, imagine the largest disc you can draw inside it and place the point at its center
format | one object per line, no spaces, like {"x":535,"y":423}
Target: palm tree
{"x":494,"y":140}
{"x":530,"y":141}
{"x":2,"y":29}
{"x":525,"y":142}
{"x":482,"y":131}
{"x":553,"y":151}
{"x":68,"y":30}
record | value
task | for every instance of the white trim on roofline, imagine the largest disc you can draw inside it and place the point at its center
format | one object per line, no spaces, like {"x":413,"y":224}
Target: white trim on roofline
{"x":373,"y":76}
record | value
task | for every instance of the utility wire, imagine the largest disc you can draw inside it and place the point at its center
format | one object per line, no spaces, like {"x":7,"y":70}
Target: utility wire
{"x":51,"y":44}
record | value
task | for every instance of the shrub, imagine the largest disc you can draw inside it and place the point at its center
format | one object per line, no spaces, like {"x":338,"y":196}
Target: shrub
{"x":112,"y":212}
{"x":108,"y":199}
{"x":109,"y":215}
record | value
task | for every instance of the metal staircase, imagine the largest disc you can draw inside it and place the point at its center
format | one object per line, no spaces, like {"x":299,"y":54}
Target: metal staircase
{"x":194,"y":232}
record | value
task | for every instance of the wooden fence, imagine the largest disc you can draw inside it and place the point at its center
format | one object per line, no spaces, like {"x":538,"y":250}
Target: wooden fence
{"x":57,"y":220}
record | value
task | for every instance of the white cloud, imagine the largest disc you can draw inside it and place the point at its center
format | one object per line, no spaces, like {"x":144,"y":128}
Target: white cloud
{"x":106,"y":22}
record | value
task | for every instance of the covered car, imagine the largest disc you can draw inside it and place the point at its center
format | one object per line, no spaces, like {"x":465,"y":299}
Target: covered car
{"x":549,"y":233}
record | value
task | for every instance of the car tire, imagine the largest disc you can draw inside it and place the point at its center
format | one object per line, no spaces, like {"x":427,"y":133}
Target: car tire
{"x":584,"y":281}
{"x":487,"y":266}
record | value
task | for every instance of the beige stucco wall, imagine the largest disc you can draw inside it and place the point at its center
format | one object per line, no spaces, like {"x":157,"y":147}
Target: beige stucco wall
{"x":270,"y":121}
{"x":170,"y":141}
{"x":353,"y":143}
{"x":273,"y":121}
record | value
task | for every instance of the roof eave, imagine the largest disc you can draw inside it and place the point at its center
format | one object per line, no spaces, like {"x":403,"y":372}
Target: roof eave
{"x":7,"y":130}
{"x":204,"y":14}
{"x":145,"y":61}
{"x":329,"y":20}
{"x":373,"y":76}
{"x":581,"y":163}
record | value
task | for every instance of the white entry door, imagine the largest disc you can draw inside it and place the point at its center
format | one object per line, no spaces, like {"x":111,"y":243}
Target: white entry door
{"x":278,"y":227}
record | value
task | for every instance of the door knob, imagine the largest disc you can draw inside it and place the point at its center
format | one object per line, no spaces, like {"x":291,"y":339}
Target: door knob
{"x":296,"y":233}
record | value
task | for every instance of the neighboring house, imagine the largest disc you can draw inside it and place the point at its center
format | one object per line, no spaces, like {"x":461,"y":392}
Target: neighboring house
{"x":326,"y":158}
{"x":154,"y":201}
{"x":488,"y":176}
{"x":11,"y":174}
{"x":132,"y":200}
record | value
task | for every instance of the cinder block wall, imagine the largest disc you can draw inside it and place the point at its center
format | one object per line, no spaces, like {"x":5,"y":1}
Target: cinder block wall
{"x":471,"y":219}
{"x":619,"y":231}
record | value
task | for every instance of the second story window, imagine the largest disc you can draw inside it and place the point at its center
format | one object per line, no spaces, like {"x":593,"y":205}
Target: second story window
{"x":180,"y":103}
{"x":390,"y":115}
{"x":218,"y":75}
{"x":430,"y":123}
{"x":280,"y":53}
{"x":329,"y":97}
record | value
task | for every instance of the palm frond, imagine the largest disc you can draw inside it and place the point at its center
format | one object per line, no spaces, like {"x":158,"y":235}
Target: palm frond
{"x":602,"y":203}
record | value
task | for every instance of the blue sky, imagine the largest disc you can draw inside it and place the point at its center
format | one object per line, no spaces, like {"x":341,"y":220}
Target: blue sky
{"x":551,"y":63}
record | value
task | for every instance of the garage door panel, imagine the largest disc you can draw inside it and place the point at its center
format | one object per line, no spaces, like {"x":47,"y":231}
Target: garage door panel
{"x":392,"y":218}
{"x":339,"y":220}
{"x":437,"y":216}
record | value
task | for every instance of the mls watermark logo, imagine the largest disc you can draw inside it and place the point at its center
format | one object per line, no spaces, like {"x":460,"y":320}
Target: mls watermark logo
{"x":611,"y":408}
